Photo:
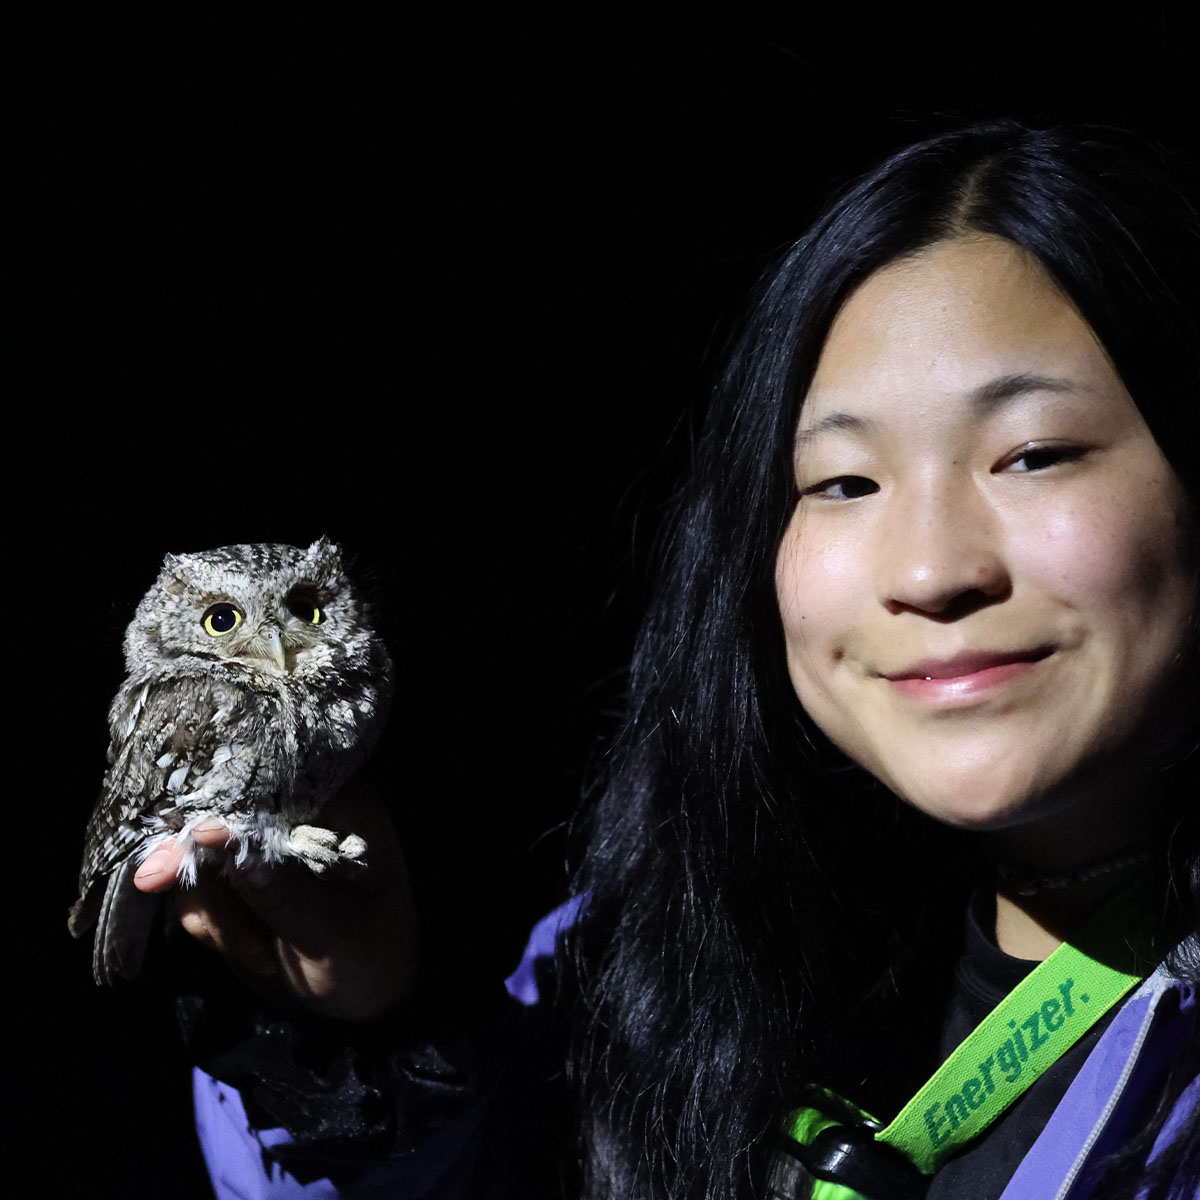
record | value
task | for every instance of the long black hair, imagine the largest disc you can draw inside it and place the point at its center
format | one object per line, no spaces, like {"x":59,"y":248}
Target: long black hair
{"x":748,"y":884}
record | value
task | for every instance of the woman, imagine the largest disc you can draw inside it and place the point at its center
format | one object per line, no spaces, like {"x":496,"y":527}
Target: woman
{"x":904,"y":465}
{"x":937,"y":559}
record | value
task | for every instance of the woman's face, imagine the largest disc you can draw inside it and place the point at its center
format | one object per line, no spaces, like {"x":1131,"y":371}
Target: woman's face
{"x":984,"y":583}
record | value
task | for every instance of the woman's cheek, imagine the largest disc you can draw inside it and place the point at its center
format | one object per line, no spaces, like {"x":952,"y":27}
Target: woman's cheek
{"x":1103,"y":558}
{"x":816,"y":580}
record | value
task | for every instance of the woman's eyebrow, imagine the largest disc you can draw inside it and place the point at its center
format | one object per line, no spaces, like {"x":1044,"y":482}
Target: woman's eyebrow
{"x":1006,"y":387}
{"x":987,"y":396}
{"x":837,"y":422}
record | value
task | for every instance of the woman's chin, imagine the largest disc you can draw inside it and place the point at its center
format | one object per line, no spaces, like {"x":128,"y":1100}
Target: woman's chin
{"x":982,"y":805}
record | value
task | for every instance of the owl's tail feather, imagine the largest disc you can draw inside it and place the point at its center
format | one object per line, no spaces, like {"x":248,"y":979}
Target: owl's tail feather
{"x":84,"y":912}
{"x":123,"y":927}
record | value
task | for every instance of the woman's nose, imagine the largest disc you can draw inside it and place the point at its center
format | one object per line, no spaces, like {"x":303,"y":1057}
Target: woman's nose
{"x":941,"y":553}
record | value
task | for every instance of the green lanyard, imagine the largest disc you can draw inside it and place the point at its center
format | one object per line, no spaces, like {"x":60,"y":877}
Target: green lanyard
{"x":1037,"y":1022}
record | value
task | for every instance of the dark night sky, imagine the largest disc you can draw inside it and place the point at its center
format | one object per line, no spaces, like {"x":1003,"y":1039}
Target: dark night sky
{"x":449,"y":293}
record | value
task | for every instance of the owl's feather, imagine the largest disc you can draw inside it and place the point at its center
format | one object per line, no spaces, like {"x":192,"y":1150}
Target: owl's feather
{"x":257,"y":727}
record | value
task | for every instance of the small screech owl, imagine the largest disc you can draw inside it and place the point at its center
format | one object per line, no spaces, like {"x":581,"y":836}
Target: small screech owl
{"x":256,"y":686}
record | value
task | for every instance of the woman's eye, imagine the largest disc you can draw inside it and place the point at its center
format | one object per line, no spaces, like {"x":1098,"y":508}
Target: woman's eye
{"x":842,"y":487}
{"x":1038,"y":458}
{"x":220,"y":619}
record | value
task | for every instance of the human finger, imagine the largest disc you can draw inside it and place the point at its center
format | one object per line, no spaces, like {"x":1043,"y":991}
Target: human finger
{"x":214,"y":915}
{"x":160,"y":871}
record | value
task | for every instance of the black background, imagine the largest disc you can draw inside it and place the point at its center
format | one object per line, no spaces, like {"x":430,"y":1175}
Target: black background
{"x":451,"y":293}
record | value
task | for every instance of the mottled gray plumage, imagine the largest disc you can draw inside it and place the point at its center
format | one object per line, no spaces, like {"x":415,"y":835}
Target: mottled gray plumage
{"x":256,"y":686}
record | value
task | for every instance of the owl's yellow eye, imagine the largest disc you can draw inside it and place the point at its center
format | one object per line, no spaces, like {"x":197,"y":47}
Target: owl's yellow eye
{"x":220,"y":619}
{"x":303,"y":606}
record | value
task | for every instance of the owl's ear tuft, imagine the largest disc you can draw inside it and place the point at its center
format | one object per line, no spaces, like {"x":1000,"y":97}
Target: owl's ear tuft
{"x":173,"y":576}
{"x":324,"y":554}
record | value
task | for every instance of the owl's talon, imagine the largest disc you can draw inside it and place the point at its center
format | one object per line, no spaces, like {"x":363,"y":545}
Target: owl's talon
{"x":315,"y":847}
{"x":352,"y":847}
{"x":319,"y":849}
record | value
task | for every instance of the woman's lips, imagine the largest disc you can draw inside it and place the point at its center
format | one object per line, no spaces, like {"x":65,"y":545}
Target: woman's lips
{"x":965,"y":676}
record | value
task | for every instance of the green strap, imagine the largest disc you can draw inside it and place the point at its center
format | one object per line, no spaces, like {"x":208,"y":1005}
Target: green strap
{"x":804,"y":1125}
{"x":1036,"y":1023}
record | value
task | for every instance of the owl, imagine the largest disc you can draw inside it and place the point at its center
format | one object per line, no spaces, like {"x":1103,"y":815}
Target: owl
{"x":255,"y":687}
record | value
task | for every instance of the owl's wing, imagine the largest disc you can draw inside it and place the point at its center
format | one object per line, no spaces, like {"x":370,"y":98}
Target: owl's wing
{"x":124,"y":918}
{"x":170,"y":756}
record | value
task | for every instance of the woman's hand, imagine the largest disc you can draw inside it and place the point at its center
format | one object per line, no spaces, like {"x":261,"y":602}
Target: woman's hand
{"x":344,"y":945}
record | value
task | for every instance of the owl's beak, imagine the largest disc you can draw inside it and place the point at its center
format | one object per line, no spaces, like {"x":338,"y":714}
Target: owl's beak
{"x":269,"y":645}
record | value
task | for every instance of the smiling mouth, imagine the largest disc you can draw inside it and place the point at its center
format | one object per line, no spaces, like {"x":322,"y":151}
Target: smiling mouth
{"x":966,"y":678}
{"x":967,"y":664}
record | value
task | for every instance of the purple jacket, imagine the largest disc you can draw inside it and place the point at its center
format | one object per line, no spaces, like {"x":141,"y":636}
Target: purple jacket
{"x":1152,"y":1027}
